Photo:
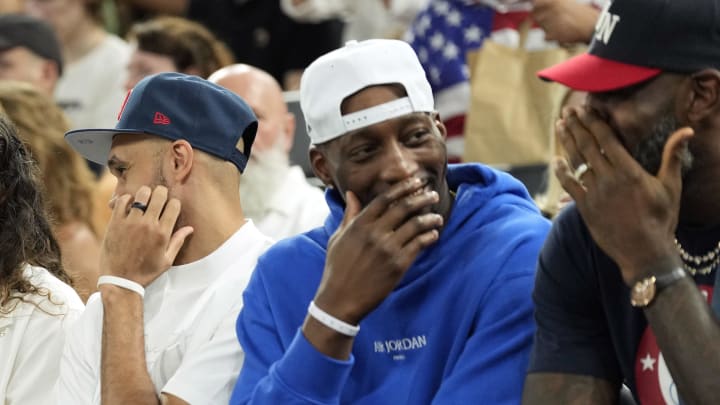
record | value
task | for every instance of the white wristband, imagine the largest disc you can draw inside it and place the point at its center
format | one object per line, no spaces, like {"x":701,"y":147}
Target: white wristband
{"x":122,"y":282}
{"x":332,"y":322}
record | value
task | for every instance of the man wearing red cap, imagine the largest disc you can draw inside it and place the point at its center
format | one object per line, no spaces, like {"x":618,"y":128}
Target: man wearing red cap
{"x":625,"y":277}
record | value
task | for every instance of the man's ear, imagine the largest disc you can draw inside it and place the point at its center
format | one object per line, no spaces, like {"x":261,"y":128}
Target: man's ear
{"x":439,"y":124}
{"x":180,"y":156}
{"x":321,"y":165}
{"x":703,"y":98}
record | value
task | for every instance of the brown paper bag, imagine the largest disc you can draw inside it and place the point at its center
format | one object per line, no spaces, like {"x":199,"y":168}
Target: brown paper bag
{"x":512,"y":112}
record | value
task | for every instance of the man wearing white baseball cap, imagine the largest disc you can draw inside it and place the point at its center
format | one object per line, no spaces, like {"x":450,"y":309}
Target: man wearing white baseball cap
{"x":417,"y":288}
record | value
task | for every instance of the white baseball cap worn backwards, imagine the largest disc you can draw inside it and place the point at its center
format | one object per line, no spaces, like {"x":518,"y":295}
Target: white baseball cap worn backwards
{"x":343,"y":72}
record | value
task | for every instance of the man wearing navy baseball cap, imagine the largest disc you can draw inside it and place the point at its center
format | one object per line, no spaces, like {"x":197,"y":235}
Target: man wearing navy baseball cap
{"x":627,"y":276}
{"x":177,"y":253}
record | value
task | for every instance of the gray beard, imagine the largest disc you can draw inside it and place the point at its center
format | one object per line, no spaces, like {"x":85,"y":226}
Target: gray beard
{"x":263,"y":177}
{"x":648,"y":153}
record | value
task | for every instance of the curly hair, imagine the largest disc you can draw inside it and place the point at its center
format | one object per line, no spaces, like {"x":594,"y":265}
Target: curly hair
{"x":25,"y":234}
{"x":41,"y":124}
{"x":188,"y":44}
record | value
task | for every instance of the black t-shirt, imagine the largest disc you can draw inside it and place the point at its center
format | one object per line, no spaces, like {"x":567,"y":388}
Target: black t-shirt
{"x":261,"y":35}
{"x":585,"y":323}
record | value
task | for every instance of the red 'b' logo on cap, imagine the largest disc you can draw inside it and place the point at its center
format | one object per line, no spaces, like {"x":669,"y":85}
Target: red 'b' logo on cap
{"x":161,"y":119}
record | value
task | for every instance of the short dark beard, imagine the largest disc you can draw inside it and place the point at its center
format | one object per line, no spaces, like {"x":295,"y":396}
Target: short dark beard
{"x":648,"y":153}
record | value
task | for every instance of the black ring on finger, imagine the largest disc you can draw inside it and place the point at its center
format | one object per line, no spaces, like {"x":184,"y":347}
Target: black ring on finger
{"x":137,"y":204}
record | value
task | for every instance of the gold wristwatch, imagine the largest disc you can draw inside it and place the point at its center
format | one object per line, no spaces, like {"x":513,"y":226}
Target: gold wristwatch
{"x":644,"y":291}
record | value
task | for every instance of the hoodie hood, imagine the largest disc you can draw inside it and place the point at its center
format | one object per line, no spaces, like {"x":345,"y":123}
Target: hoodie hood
{"x":485,"y":198}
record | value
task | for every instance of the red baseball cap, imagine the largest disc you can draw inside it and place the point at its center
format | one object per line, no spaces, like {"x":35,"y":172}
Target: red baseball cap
{"x":636,"y":40}
{"x":592,"y":73}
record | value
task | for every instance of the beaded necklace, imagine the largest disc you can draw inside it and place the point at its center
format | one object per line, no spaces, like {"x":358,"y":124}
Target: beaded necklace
{"x":699,"y":264}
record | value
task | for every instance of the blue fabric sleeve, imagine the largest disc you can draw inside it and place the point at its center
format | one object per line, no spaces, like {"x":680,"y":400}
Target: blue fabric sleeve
{"x":275,"y":374}
{"x":572,"y":335}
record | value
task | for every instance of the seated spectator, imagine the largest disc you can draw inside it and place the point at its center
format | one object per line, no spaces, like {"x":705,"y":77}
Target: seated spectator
{"x":91,"y":86}
{"x":173,"y":44}
{"x":274,"y":194}
{"x":257,"y":32}
{"x":19,"y":35}
{"x":363,"y":19}
{"x":167,"y":44}
{"x":419,"y":282}
{"x":176,"y":253}
{"x":67,"y":181}
{"x":29,"y":52}
{"x":36,"y":302}
{"x":627,"y":273}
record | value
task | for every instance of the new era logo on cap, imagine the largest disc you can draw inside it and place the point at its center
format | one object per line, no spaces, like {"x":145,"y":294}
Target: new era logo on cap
{"x":161,"y":119}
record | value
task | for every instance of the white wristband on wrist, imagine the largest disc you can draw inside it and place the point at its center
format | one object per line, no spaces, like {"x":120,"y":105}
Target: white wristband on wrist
{"x":332,"y":322}
{"x":122,"y":282}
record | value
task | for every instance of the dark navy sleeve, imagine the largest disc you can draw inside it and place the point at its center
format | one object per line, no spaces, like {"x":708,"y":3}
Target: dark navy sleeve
{"x":572,"y":335}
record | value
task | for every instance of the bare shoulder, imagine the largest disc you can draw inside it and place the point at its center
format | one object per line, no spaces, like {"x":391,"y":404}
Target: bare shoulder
{"x":571,"y":389}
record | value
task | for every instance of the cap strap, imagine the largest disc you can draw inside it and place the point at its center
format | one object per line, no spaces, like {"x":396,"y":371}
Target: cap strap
{"x":378,"y":113}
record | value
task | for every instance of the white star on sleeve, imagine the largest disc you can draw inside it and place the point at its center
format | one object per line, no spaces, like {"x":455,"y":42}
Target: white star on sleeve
{"x":648,"y":363}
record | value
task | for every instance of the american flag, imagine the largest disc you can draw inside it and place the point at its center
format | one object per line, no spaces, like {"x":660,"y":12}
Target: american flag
{"x":446,"y":30}
{"x":442,"y":35}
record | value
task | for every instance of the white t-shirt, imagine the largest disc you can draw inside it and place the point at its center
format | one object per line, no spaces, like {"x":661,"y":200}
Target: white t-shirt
{"x":91,"y":90}
{"x":190,"y":344}
{"x":298,"y":206}
{"x":32,"y":337}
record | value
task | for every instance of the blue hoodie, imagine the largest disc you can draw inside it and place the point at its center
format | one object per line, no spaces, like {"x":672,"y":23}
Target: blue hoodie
{"x":457,"y":329}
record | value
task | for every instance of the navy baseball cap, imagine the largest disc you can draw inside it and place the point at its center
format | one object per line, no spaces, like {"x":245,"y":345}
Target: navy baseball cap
{"x":178,"y":106}
{"x":636,"y":40}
